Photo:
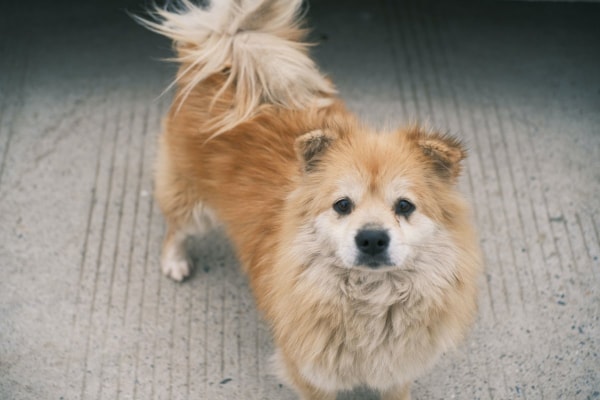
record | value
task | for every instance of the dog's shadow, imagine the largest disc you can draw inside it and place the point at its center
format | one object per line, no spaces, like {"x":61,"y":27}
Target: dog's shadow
{"x":359,"y":394}
{"x":209,"y":251}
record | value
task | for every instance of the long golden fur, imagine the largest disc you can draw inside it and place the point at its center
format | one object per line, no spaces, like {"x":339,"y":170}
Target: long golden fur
{"x":359,"y":250}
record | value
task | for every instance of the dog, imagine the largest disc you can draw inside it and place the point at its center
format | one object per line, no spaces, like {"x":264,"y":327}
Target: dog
{"x":359,"y":249}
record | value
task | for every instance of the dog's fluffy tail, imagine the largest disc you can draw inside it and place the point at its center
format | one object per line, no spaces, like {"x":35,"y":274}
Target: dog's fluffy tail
{"x":258,"y":43}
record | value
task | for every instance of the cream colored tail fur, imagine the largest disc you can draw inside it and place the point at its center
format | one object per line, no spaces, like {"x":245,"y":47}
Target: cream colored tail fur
{"x":260,"y":42}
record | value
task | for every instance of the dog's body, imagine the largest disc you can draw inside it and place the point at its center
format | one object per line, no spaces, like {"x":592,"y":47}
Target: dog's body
{"x":359,"y":251}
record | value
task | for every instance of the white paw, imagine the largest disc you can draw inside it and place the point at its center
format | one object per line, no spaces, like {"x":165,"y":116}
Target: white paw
{"x":175,"y":267}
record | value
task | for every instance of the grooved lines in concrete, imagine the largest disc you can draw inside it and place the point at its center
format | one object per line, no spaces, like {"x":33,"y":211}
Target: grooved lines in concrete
{"x":86,"y":313}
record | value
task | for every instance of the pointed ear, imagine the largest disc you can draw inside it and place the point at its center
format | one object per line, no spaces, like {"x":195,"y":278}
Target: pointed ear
{"x":312,"y":145}
{"x":446,"y":152}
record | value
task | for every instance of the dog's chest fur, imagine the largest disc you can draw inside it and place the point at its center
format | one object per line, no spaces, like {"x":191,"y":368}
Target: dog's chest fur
{"x":368,"y":328}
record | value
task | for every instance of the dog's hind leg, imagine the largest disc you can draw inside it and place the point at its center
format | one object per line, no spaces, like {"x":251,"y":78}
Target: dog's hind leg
{"x":175,"y":262}
{"x":185,"y":213}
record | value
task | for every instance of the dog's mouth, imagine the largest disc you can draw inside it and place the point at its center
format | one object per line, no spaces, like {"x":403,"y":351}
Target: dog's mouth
{"x":373,"y":262}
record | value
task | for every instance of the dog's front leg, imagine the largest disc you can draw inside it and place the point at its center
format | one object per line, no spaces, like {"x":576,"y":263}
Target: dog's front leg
{"x":400,"y":392}
{"x":309,"y":392}
{"x":305,"y":389}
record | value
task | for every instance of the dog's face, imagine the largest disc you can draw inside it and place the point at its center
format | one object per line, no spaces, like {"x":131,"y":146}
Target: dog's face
{"x":377,"y":201}
{"x":372,"y":224}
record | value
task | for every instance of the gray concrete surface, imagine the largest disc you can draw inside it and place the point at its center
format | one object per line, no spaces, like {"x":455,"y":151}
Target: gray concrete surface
{"x":84,"y":311}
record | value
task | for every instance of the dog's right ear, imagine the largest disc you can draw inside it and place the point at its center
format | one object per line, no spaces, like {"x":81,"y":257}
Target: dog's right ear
{"x":312,"y":145}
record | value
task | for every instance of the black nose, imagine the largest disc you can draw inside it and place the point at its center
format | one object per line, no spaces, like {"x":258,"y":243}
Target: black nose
{"x":372,"y":242}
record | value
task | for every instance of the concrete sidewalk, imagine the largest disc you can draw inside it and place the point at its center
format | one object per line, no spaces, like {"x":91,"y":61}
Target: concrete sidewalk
{"x":84,"y":310}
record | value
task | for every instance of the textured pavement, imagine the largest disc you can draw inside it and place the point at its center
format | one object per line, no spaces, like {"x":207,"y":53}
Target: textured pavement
{"x":84,"y":310}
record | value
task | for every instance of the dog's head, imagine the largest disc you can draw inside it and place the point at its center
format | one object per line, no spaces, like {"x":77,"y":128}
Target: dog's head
{"x":375,"y":201}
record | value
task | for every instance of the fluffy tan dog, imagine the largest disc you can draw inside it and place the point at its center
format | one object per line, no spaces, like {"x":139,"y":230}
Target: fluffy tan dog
{"x":359,"y":250}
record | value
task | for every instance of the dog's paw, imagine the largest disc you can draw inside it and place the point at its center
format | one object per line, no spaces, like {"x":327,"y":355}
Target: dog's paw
{"x":176,"y":268}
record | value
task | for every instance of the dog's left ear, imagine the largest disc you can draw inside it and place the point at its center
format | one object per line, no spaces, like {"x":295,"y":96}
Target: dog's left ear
{"x":445,"y":151}
{"x":312,"y":145}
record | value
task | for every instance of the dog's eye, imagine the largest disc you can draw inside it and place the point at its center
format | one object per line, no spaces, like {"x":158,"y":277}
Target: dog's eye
{"x":343,"y":206}
{"x":404,"y":207}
